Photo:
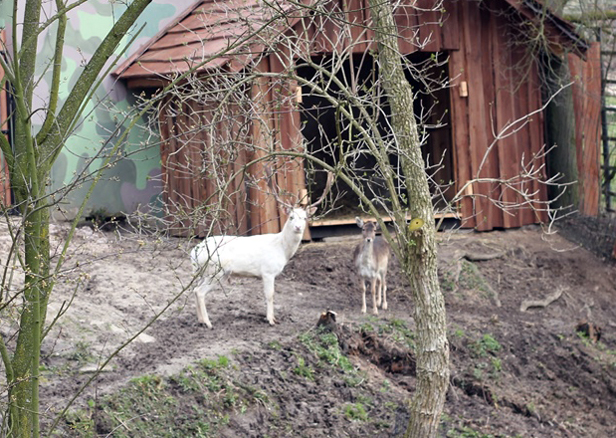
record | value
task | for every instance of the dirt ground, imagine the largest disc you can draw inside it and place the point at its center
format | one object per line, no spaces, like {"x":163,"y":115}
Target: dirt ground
{"x":514,"y":372}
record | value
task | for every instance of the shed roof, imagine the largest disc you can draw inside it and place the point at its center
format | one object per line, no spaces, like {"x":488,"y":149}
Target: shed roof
{"x":208,"y":35}
{"x":215,"y":33}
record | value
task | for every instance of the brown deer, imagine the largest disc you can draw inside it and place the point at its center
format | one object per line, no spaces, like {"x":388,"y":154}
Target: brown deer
{"x":371,"y":257}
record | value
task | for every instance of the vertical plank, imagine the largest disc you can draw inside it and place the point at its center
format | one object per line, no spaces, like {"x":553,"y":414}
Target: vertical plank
{"x":592,"y":129}
{"x":184,"y":195}
{"x":206,"y":151}
{"x":290,"y":176}
{"x":165,"y":149}
{"x":450,"y":30}
{"x":369,"y":31}
{"x":537,"y":214}
{"x":406,"y":17}
{"x":354,"y":15}
{"x":478,"y":111}
{"x":521,"y":137}
{"x":460,"y":133}
{"x":329,"y":36}
{"x":504,"y":115}
{"x":587,"y":107}
{"x":429,"y":25}
{"x":488,"y":36}
{"x":239,"y":196}
{"x":263,"y":207}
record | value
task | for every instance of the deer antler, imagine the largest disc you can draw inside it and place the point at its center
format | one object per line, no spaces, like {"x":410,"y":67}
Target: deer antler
{"x":328,"y":186}
{"x":270,"y":182}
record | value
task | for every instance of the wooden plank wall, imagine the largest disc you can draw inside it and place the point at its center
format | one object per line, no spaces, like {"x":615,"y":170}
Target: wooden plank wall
{"x":587,"y":107}
{"x":264,"y":217}
{"x":201,"y":150}
{"x":429,"y":31}
{"x":204,"y":188}
{"x":499,"y":93}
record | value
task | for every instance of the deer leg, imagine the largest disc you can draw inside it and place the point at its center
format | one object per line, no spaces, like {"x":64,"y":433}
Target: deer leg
{"x":384,"y":287}
{"x":200,"y":292}
{"x":363,"y":295}
{"x":375,"y":310}
{"x":268,"y":290}
{"x":377,"y":280}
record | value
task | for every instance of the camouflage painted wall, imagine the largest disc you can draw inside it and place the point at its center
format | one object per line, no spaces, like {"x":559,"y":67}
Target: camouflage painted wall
{"x":133,"y":183}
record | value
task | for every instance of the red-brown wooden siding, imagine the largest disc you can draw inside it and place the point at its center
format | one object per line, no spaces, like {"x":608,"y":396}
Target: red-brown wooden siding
{"x":587,"y":108}
{"x":499,"y":93}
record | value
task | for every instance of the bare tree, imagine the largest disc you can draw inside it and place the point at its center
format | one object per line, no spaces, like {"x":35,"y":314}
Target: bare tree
{"x":30,"y":160}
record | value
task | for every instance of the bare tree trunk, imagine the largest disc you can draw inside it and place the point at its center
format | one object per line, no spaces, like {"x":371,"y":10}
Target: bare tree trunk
{"x":420,"y":264}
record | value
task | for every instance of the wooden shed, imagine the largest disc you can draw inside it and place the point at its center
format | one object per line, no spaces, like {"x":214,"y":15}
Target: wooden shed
{"x":492,"y":84}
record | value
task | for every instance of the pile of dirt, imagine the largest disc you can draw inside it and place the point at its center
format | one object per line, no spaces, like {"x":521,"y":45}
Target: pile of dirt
{"x":514,"y":299}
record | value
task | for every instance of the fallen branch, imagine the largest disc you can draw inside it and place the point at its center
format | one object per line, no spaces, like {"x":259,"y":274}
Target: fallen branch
{"x":527,"y":304}
{"x":478,"y":257}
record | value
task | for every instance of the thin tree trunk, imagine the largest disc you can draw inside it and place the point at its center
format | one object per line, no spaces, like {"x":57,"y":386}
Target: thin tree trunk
{"x":30,"y":161}
{"x":420,"y":266}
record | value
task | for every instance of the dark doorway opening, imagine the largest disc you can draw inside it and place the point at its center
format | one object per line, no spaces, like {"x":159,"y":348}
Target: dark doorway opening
{"x":330,"y":135}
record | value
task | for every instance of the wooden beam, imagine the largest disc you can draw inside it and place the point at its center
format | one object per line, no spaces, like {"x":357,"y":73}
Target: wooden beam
{"x":351,"y":220}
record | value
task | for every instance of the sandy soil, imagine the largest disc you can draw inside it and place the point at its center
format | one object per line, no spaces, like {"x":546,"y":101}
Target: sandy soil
{"x":550,"y":382}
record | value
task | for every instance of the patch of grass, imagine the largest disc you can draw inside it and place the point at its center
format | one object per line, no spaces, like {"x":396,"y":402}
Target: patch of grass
{"x":471,"y":278}
{"x":497,"y":365}
{"x":354,"y":379}
{"x":82,"y":353}
{"x":486,"y":345}
{"x":385,"y":386}
{"x":458,"y":333}
{"x":367,"y":327}
{"x":584,"y":338}
{"x":488,"y":364}
{"x":478,"y":371}
{"x":326,"y":348}
{"x":303,"y":370}
{"x":391,"y":406}
{"x":399,"y":331}
{"x":196,"y":402}
{"x":355,"y":412}
{"x":467,"y":432}
{"x":448,"y":283}
{"x":81,"y":423}
{"x":275,"y":345}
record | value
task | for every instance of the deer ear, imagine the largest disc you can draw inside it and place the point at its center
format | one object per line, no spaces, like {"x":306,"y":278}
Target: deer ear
{"x":287,"y":210}
{"x":359,"y":222}
{"x":311,"y":210}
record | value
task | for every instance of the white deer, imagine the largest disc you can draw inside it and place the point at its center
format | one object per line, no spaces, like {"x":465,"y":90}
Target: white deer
{"x":263,"y":256}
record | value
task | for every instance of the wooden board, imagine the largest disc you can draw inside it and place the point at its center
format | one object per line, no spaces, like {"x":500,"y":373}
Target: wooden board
{"x":504,"y":117}
{"x":351,"y":220}
{"x":458,"y":74}
{"x":587,"y":108}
